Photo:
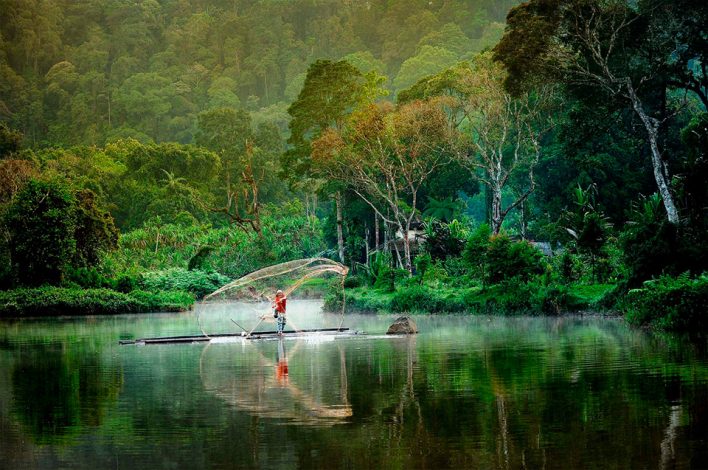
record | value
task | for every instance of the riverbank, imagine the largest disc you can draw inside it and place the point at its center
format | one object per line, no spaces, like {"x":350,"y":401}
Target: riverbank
{"x":529,"y":299}
{"x":666,"y":303}
{"x":58,"y":301}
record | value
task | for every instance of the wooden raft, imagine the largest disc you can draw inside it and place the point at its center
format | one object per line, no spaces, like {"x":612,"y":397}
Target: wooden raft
{"x":254,"y":335}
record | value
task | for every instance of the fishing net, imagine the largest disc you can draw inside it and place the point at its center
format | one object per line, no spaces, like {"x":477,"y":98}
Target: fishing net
{"x":301,"y":278}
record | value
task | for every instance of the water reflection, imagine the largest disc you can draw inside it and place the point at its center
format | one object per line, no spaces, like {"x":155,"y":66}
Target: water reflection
{"x":57,"y":392}
{"x":291,"y":389}
{"x":468,"y":392}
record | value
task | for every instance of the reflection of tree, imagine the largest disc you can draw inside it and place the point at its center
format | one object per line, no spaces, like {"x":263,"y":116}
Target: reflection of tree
{"x":408,"y":397}
{"x":668,"y":453}
{"x":56,"y":395}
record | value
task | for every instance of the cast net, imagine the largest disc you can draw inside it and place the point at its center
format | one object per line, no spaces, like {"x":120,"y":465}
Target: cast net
{"x":303,"y":278}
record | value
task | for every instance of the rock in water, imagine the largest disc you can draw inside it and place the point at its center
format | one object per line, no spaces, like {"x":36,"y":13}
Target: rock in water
{"x":403,"y":326}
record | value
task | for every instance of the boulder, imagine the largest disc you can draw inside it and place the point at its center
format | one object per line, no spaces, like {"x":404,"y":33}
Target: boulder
{"x":403,"y":326}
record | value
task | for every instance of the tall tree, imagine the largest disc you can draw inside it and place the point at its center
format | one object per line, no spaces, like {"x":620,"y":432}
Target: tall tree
{"x":228,"y":132}
{"x":386,"y":156}
{"x":332,"y":90}
{"x":629,"y":51}
{"x":42,"y":221}
{"x":499,"y":134}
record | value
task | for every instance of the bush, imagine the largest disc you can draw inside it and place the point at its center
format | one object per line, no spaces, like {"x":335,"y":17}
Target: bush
{"x":476,"y":247}
{"x":668,"y":303}
{"x":422,"y":262}
{"x":199,"y":283}
{"x":353,"y":281}
{"x":653,"y":247}
{"x":126,"y":283}
{"x":88,"y":278}
{"x":423,"y":299}
{"x":506,"y":259}
{"x":53,"y":301}
{"x":441,"y":240}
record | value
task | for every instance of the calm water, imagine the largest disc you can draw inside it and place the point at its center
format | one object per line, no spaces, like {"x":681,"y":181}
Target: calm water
{"x":466,"y":393}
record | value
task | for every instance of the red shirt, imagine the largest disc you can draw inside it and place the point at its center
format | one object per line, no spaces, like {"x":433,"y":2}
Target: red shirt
{"x":279,"y":304}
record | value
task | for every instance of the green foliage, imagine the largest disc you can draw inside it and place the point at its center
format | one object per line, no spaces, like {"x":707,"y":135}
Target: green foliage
{"x":10,"y":141}
{"x":669,"y":303}
{"x":198,"y":260}
{"x":588,"y":228}
{"x":422,"y":263}
{"x":199,"y":283}
{"x":507,"y":298}
{"x":331,"y":91}
{"x":41,"y":222}
{"x":430,"y":60}
{"x":378,"y":272}
{"x":692,"y":186}
{"x":287,"y":235}
{"x":95,"y":232}
{"x":506,"y":260}
{"x":652,"y":247}
{"x":52,"y":301}
{"x":443,"y":240}
{"x":424,"y":299}
{"x":475,"y":252}
{"x":440,"y":209}
{"x":88,"y":278}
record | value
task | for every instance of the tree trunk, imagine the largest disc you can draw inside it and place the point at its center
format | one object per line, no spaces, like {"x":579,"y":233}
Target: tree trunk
{"x":522,"y":214}
{"x":340,"y":228}
{"x":496,"y":215}
{"x":376,"y":231}
{"x":407,"y":251}
{"x":652,"y":127}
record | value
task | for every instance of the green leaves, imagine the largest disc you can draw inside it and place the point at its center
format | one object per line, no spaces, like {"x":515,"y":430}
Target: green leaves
{"x":52,"y":228}
{"x":41,"y":222}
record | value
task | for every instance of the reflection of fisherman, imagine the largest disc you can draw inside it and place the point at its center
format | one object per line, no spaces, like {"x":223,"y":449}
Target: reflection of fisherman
{"x":281,"y":365}
{"x":279,"y":310}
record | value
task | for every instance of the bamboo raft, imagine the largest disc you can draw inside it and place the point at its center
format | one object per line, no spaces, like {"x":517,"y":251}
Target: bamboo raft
{"x":253,"y":336}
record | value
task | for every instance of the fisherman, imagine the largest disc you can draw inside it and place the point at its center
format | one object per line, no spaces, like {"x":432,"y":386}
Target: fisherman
{"x":279,"y":310}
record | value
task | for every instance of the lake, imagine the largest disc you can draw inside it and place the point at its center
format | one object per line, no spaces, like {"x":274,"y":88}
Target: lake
{"x":467,"y":392}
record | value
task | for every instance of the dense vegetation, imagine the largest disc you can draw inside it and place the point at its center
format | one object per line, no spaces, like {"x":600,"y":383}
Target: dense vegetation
{"x":554,"y":164}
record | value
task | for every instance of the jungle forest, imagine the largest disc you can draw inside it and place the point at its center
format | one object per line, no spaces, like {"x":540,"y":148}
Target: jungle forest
{"x":470,"y":156}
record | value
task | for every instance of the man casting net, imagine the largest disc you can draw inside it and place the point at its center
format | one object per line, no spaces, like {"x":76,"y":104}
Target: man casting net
{"x":294,"y":279}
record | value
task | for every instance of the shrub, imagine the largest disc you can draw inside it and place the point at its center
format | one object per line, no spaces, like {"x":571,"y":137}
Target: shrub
{"x":506,"y":259}
{"x":422,"y":262}
{"x":456,"y":267}
{"x":125,"y":283}
{"x":87,"y":278}
{"x":476,"y":248}
{"x":417,"y":298}
{"x":668,"y":303}
{"x":436,"y":274}
{"x":442,"y":240}
{"x":653,"y":247}
{"x":354,"y":281}
{"x":53,"y":301}
{"x":199,"y":283}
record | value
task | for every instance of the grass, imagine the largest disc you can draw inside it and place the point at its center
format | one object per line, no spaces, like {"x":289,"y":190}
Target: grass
{"x":55,"y":301}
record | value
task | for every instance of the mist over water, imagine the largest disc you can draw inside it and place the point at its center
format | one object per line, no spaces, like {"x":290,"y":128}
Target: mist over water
{"x":468,"y":392}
